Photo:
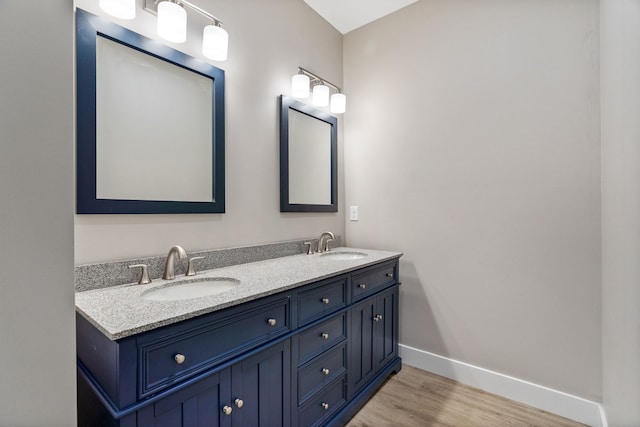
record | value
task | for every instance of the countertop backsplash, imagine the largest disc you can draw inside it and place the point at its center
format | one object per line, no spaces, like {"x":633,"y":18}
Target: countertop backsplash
{"x":102,"y":275}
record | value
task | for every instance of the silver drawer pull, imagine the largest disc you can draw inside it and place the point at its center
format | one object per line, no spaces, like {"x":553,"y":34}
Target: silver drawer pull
{"x":227,"y":410}
{"x":325,"y":300}
{"x":325,"y":336}
{"x":239,"y":403}
{"x":325,"y":405}
{"x":362,"y":286}
{"x":272,"y":322}
{"x":179,"y":358}
{"x":325,"y":371}
{"x":389,"y":274}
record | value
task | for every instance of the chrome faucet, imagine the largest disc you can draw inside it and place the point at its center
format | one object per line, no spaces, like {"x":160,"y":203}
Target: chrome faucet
{"x":325,"y":248}
{"x":169,"y":266}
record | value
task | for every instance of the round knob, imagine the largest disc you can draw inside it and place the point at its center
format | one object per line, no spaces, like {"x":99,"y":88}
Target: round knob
{"x":325,"y":371}
{"x":362,"y":286}
{"x":239,"y":403}
{"x":179,"y":358}
{"x":325,"y":300}
{"x":325,"y":405}
{"x":227,"y":410}
{"x":271,"y":322}
{"x":389,"y":274}
{"x":325,"y":336}
{"x":377,"y":317}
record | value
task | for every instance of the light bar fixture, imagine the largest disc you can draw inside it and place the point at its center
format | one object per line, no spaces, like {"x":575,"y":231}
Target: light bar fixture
{"x":300,"y":89}
{"x":172,"y":23}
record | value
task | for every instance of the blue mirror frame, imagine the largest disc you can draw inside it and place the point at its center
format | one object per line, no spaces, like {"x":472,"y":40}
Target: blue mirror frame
{"x":88,"y":28}
{"x":287,"y":104}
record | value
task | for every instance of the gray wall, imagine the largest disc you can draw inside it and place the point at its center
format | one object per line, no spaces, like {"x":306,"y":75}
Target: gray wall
{"x":620,"y":25}
{"x":472,"y":145}
{"x":37,"y":378}
{"x":268,"y":40}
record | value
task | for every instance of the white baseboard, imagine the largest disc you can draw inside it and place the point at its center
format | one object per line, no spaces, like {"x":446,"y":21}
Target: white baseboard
{"x":556,"y":402}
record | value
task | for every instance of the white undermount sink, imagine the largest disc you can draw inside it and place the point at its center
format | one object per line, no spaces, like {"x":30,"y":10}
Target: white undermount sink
{"x":343,"y":255}
{"x":191,"y":288}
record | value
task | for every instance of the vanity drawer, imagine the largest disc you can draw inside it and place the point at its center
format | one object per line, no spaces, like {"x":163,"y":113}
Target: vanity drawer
{"x":323,"y":405}
{"x":374,"y":279}
{"x":321,"y":371}
{"x":171,"y":358}
{"x":321,"y":337}
{"x":321,"y":300}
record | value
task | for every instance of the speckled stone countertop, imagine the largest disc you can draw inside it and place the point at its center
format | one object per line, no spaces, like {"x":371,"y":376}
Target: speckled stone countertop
{"x":120,"y":311}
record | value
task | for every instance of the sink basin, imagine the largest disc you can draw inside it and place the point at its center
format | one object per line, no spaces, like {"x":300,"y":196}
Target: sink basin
{"x":187,"y":289}
{"x":343,"y":256}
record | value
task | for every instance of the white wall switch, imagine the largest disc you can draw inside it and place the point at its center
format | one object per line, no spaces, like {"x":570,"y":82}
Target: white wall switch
{"x":353,"y":213}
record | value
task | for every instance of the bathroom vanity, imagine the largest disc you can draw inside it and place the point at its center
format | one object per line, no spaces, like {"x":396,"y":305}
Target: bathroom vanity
{"x":303,"y":340}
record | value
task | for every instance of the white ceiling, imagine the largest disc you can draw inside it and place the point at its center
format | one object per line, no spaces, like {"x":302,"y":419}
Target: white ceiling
{"x":347,"y":15}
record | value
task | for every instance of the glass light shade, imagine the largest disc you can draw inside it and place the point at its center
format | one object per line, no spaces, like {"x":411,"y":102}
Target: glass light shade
{"x":321,"y":95}
{"x":215,"y":43}
{"x":172,"y":22}
{"x":123,"y":9}
{"x":338,"y":103}
{"x":300,"y":86}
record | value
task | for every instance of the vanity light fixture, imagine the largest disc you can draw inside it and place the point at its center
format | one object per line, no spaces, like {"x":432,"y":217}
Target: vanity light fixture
{"x":122,"y":9}
{"x":320,"y":95}
{"x":321,"y":88}
{"x":338,"y":103}
{"x":172,"y":23}
{"x":300,"y":86}
{"x":215,"y":42}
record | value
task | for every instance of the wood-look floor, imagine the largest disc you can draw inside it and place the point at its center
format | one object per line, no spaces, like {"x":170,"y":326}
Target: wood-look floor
{"x":417,"y":398}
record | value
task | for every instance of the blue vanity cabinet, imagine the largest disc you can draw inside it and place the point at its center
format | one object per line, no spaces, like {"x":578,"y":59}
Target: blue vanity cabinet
{"x":252,"y":392}
{"x":309,"y":356}
{"x":374,"y":337}
{"x":192,"y":372}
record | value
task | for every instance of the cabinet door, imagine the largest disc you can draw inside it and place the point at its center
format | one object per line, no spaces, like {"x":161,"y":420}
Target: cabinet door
{"x":374,"y":338}
{"x":261,"y":388}
{"x":386,"y":328}
{"x":194,"y":406}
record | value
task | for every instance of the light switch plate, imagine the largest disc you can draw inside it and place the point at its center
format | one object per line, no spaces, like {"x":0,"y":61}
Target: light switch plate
{"x":353,"y":213}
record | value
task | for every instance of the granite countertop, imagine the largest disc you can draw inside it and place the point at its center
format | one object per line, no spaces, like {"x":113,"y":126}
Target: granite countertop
{"x":120,"y":311}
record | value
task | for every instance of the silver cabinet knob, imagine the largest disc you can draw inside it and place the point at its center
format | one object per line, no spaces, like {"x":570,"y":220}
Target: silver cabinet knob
{"x":325,"y":300}
{"x":227,"y":410}
{"x":179,"y":358}
{"x":239,"y":403}
{"x":362,"y":286}
{"x":272,"y":322}
{"x":325,"y":336}
{"x":389,"y":274}
{"x":325,"y":405}
{"x":325,"y":371}
{"x":377,"y":317}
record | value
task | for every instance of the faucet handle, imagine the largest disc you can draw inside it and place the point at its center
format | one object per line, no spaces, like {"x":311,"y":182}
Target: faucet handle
{"x":190,"y":270}
{"x":144,"y":278}
{"x":309,"y":246}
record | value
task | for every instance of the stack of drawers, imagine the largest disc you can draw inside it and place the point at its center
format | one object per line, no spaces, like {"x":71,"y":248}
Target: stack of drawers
{"x":322,"y":351}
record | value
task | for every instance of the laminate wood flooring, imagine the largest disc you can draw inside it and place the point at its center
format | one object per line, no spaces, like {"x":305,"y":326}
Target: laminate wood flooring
{"x":415,"y":397}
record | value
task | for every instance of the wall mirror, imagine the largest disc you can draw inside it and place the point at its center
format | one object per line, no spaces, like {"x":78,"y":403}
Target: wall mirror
{"x":150,"y":125}
{"x":308,"y":158}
